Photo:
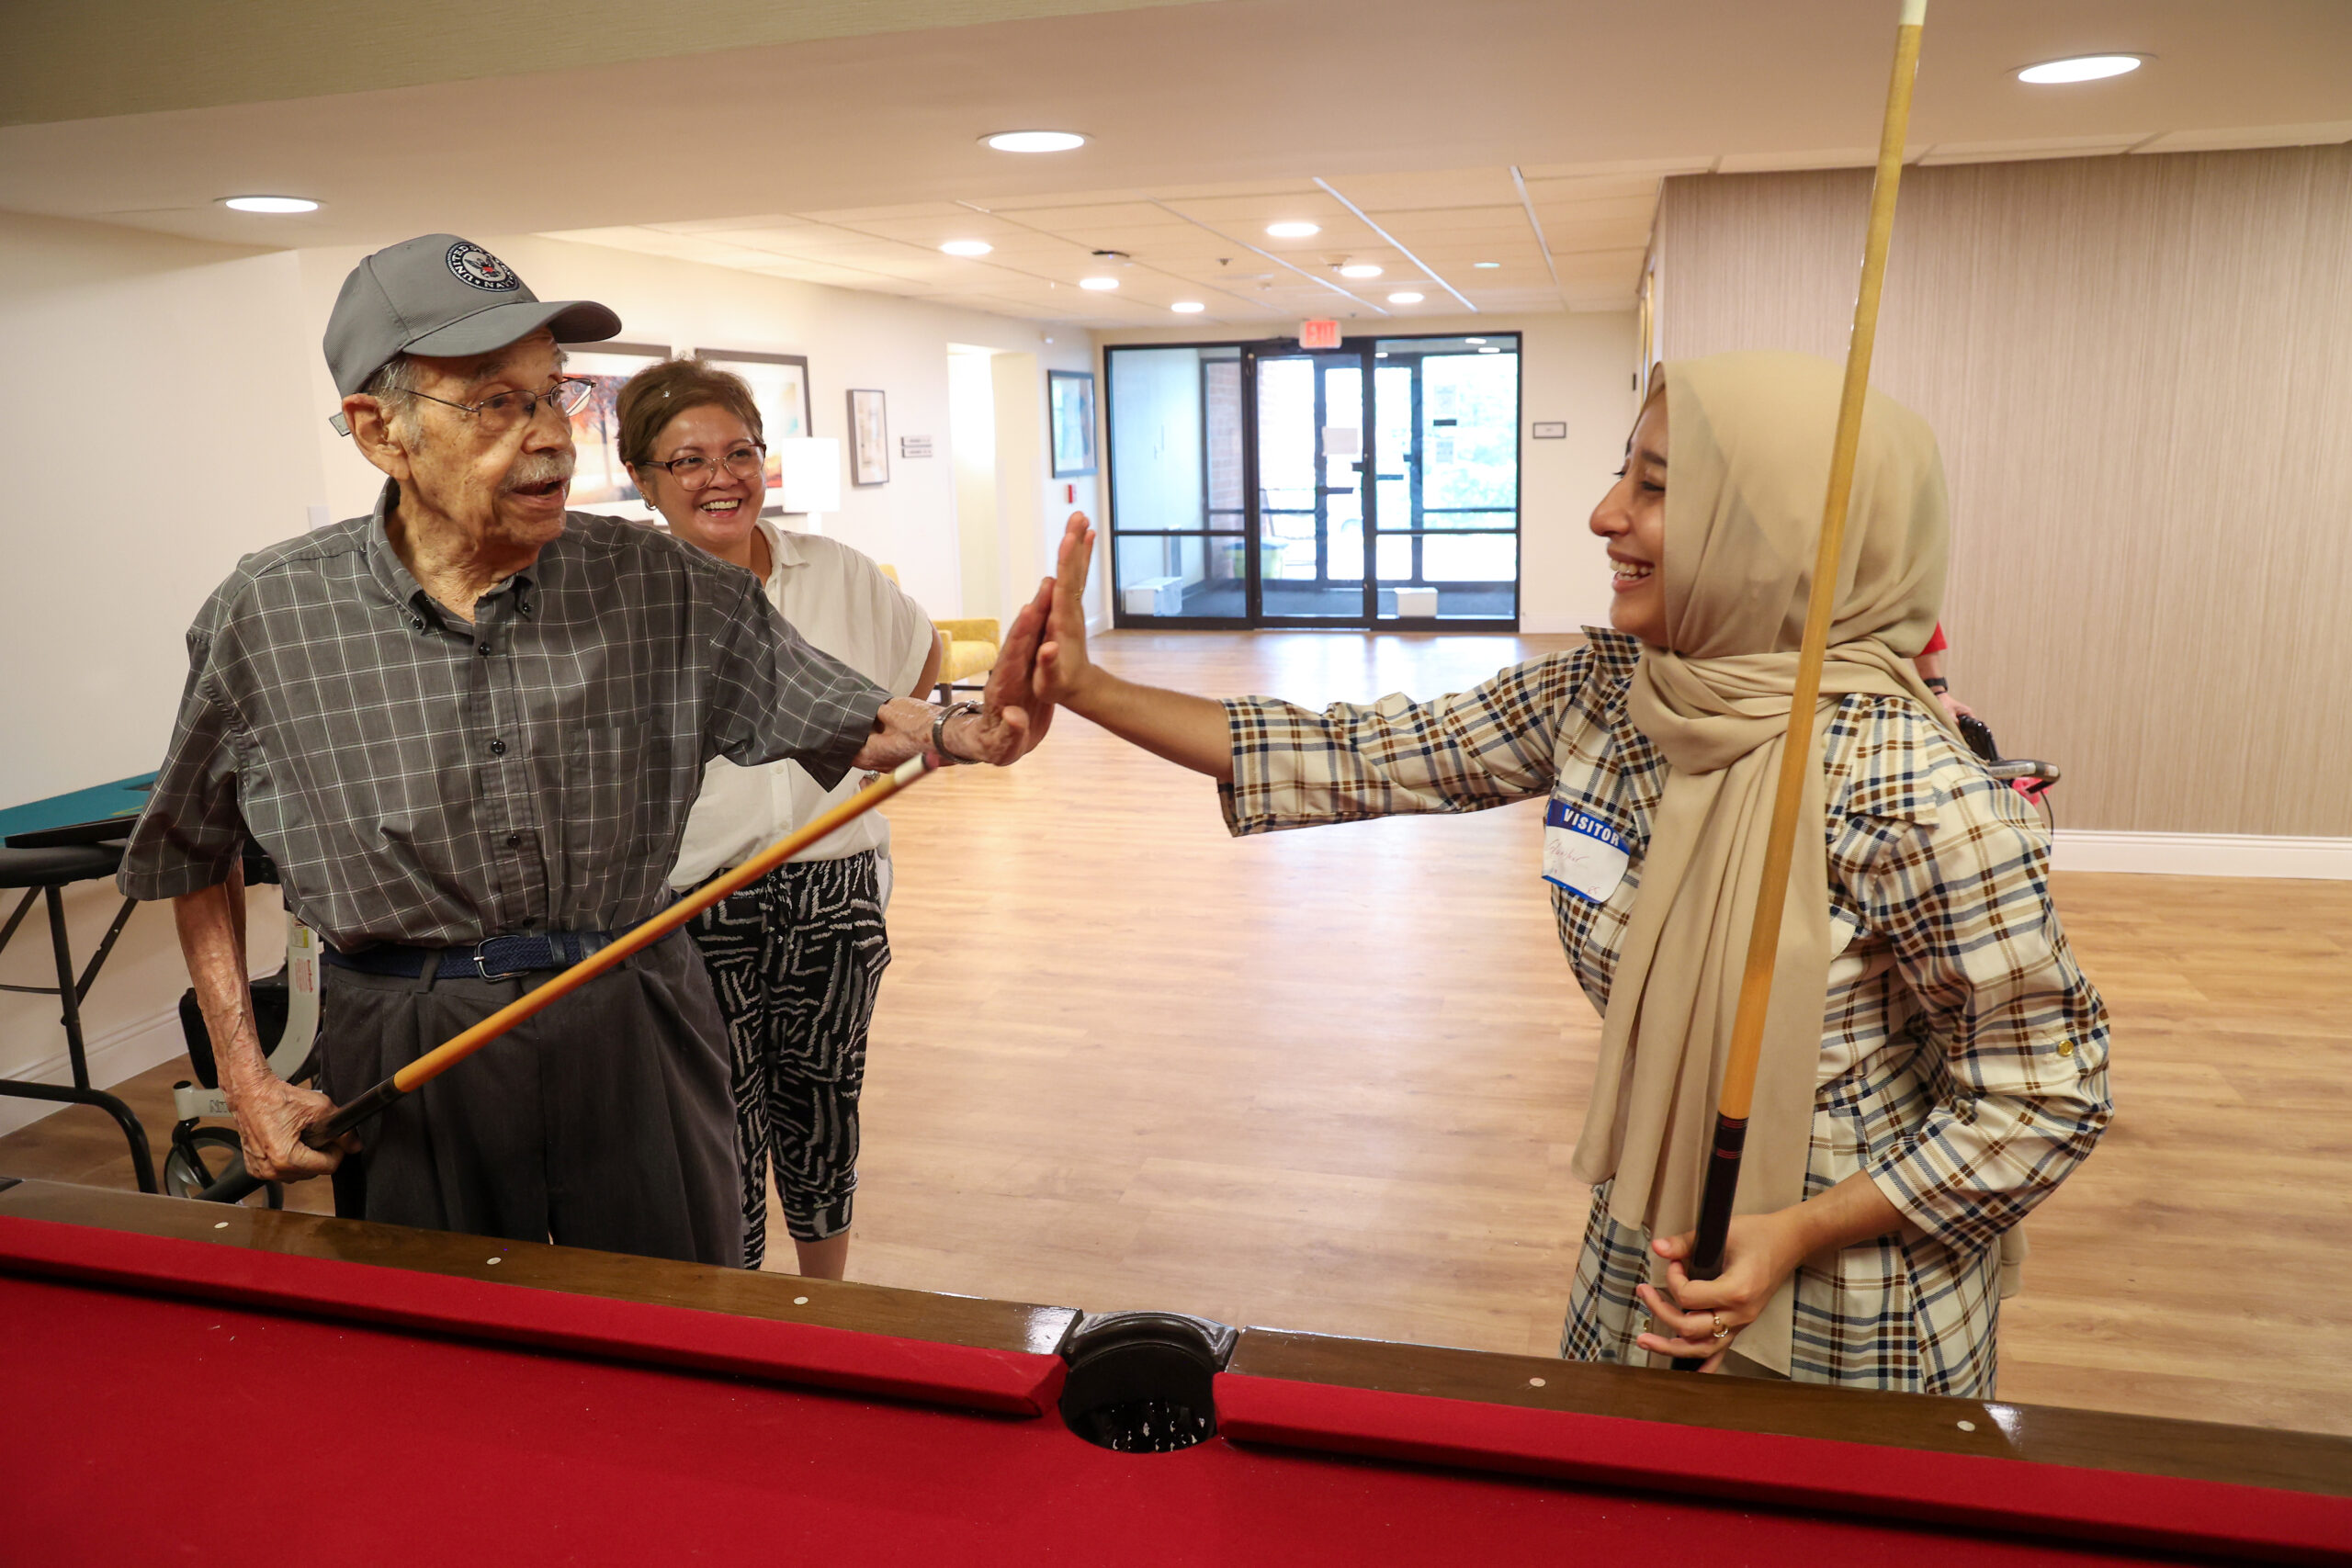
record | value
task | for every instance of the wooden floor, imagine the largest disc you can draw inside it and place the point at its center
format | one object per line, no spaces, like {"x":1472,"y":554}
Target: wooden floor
{"x":1330,"y":1080}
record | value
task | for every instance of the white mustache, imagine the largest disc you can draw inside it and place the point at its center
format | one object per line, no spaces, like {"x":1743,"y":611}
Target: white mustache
{"x":538,"y":468}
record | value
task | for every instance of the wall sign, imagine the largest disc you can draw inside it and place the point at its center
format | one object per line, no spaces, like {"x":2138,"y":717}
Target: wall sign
{"x":914,"y":445}
{"x":1318,"y":334}
{"x":1551,"y":430}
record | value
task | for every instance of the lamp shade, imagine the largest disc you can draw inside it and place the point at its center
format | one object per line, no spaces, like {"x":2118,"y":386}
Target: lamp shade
{"x":809,"y":476}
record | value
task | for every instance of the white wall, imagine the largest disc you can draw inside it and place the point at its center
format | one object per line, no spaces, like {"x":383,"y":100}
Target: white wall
{"x":151,"y":428}
{"x":166,"y":412}
{"x":1574,"y":367}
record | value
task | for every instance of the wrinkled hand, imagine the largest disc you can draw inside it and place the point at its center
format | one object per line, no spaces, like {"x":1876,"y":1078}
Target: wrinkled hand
{"x":1013,"y":718}
{"x":272,"y":1116}
{"x":1761,"y":1251}
{"x":1954,"y":706}
{"x":1063,"y":668}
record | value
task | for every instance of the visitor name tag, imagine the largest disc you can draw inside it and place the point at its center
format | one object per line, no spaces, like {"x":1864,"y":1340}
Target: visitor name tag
{"x":1581,"y":853}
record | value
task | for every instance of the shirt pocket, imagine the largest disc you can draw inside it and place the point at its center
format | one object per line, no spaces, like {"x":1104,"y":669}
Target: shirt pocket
{"x":604,"y":773}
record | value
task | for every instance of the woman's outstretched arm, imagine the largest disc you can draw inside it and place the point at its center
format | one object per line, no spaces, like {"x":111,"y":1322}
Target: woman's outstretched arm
{"x":1190,"y":731}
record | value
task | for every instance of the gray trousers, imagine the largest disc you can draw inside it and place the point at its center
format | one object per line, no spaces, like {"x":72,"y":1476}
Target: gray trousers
{"x":604,"y":1122}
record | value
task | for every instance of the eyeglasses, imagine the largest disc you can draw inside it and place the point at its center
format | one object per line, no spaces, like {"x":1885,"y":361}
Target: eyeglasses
{"x":507,"y":410}
{"x":694,"y":471}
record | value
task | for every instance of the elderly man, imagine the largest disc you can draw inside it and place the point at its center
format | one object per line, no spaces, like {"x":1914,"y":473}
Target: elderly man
{"x":467,"y":728}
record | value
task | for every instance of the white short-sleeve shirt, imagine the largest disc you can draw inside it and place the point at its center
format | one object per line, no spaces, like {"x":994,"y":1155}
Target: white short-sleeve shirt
{"x":841,"y":602}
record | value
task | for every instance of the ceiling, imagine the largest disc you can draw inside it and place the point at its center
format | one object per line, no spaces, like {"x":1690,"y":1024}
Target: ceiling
{"x":837,"y":142}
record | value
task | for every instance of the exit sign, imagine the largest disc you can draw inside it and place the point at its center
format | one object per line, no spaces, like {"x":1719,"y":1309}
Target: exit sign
{"x":1318,"y":334}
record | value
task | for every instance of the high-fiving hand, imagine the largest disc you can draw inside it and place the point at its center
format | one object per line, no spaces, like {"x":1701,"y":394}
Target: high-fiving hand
{"x":1063,"y":669}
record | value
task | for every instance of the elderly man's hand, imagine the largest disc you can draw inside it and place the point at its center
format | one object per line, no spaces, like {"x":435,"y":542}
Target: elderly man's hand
{"x":1013,"y":718}
{"x":272,"y":1115}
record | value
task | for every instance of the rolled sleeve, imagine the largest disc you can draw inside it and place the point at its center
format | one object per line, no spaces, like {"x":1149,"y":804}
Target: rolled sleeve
{"x":192,"y":833}
{"x":2023,"y":1037}
{"x":774,"y":696}
{"x":1487,"y":746}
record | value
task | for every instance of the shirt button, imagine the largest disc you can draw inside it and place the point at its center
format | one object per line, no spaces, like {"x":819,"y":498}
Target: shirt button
{"x":498,"y":747}
{"x":514,"y":839}
{"x":2065,"y":1048}
{"x":482,"y":649}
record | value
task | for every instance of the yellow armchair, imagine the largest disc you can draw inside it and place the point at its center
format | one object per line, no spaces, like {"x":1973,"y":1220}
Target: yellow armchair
{"x":968,"y":650}
{"x":969,"y":653}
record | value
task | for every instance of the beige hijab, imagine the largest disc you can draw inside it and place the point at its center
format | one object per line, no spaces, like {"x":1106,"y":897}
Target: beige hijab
{"x":1748,"y":462}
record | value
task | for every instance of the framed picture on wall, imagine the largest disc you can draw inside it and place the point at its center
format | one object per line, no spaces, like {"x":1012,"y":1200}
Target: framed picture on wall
{"x":599,"y":482}
{"x":1069,"y":397}
{"x":869,"y":438}
{"x":779,"y":384}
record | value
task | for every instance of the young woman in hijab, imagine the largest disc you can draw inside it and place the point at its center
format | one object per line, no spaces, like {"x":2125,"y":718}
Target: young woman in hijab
{"x":796,"y":957}
{"x":1934,"y":1063}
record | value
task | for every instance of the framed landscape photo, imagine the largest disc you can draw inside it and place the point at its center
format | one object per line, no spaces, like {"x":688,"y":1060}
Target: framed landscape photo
{"x":779,"y":384}
{"x":1069,"y":397}
{"x":599,"y":482}
{"x":869,"y":438}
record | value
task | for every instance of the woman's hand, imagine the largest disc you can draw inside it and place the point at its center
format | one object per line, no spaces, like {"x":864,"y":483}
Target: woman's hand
{"x":1064,"y":671}
{"x":1761,"y":1251}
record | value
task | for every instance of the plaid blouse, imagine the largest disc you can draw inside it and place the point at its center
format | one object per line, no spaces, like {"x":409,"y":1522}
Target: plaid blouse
{"x":420,"y":778}
{"x":1963,"y":1055}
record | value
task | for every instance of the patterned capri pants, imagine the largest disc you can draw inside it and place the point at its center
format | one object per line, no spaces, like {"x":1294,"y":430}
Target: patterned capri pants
{"x":797,"y":960}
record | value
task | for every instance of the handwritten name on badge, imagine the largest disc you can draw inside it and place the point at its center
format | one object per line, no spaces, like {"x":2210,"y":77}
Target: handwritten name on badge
{"x":1581,"y":853}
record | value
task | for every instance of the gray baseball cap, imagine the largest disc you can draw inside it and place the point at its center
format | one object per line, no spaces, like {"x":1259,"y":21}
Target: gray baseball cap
{"x":446,"y":296}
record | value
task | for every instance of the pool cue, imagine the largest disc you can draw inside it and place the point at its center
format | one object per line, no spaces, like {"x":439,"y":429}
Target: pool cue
{"x":1796,"y":751}
{"x":237,"y":1183}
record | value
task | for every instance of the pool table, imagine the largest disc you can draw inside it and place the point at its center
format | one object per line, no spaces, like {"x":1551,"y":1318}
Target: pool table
{"x":191,"y":1382}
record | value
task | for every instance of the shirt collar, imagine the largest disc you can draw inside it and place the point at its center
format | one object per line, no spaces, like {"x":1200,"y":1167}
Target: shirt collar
{"x":391,"y":573}
{"x":785,"y":549}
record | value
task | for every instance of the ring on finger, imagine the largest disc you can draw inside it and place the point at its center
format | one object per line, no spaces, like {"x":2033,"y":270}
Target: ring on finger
{"x":1723,"y":1329}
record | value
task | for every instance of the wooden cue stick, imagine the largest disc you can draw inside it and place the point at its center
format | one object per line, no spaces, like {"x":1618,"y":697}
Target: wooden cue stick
{"x":234,"y":1185}
{"x":1796,"y":751}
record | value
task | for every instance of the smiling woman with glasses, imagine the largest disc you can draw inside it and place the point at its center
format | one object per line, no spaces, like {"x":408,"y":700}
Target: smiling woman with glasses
{"x":796,"y":957}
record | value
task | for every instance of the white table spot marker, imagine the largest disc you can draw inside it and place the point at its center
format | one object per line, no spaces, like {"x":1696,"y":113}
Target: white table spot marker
{"x":490,"y":1260}
{"x":1536,"y":1382}
{"x":221,"y":1224}
{"x":800,"y":1301}
{"x":1968,"y":1426}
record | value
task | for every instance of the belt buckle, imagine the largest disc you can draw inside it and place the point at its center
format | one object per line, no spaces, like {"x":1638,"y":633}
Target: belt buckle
{"x":481,"y":964}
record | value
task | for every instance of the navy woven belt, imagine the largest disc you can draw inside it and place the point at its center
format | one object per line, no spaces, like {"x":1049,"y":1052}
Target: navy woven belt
{"x":495,"y":958}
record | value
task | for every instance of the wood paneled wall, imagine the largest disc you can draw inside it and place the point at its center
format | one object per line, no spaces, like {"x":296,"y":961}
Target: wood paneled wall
{"x":2141,"y":371}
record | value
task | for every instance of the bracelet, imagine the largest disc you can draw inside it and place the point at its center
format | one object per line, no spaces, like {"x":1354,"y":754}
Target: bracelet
{"x":939,"y":733}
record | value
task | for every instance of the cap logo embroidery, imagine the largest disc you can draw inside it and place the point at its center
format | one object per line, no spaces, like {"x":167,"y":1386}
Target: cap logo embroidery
{"x":478,"y":267}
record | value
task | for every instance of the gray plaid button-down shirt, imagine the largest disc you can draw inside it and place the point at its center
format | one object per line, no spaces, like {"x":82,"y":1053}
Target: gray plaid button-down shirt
{"x":418,"y":779}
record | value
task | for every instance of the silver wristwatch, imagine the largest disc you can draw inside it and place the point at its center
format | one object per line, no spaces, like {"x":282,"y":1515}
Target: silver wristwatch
{"x":939,"y":733}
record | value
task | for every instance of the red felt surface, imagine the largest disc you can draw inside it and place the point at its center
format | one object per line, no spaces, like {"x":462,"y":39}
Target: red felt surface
{"x":368,"y":1443}
{"x":2102,"y":1505}
{"x":1004,"y":1381}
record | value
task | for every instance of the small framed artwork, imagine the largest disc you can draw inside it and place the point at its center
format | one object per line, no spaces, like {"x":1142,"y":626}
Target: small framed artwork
{"x":1069,"y":397}
{"x":779,"y":384}
{"x":869,"y":438}
{"x":599,"y":482}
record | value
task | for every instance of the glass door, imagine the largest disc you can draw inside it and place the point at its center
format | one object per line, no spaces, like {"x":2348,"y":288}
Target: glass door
{"x":1310,"y":522}
{"x":1262,"y":485}
{"x":1446,"y":436}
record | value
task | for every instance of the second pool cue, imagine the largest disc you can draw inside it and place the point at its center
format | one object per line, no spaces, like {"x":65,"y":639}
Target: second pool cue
{"x":1796,"y":750}
{"x":237,"y":1183}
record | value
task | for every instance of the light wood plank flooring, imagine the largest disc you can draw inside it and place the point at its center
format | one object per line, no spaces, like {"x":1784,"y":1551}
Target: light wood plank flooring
{"x":1330,"y":1080}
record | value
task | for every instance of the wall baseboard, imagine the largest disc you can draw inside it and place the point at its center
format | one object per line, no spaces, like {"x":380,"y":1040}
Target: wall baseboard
{"x":124,"y":1052}
{"x":2202,"y":854}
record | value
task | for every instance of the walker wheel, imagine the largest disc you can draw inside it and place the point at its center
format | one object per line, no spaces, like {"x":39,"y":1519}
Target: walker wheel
{"x":187,"y":1173}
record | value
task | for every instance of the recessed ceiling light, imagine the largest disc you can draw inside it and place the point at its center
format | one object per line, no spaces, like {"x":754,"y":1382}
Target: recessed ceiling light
{"x":1188,"y":307}
{"x":1490,"y":350}
{"x":1405,"y":298}
{"x":1293,"y":230}
{"x":1380,"y":354}
{"x":967,"y":247}
{"x":1098,"y":283}
{"x":1483,"y":265}
{"x":2081,"y":68}
{"x":269,"y":203}
{"x":1035,"y":140}
{"x":1359,"y":269}
{"x":1474,"y":340}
